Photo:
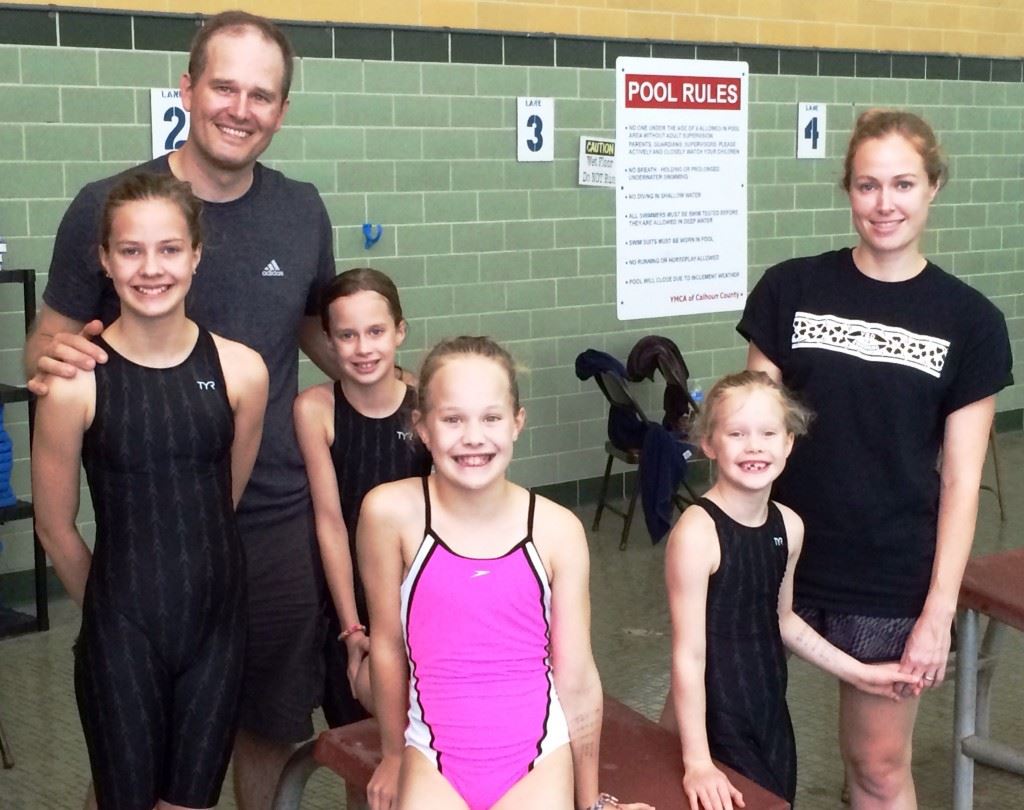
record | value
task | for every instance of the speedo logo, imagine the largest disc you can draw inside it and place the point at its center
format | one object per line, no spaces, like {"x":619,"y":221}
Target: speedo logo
{"x":272,"y":269}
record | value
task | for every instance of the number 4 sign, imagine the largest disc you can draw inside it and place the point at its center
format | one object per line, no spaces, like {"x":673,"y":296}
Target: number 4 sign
{"x":169,"y":120}
{"x":810,"y":130}
{"x":535,"y":132}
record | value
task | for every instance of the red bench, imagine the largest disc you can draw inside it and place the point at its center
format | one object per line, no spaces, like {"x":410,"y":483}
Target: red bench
{"x":640,"y":761}
{"x":993,"y":586}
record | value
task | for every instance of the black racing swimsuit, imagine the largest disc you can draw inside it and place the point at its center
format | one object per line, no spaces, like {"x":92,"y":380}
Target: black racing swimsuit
{"x":159,"y":660}
{"x":745,"y":673}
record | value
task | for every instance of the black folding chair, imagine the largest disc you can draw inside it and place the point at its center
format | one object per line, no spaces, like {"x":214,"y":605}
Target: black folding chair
{"x":616,"y":391}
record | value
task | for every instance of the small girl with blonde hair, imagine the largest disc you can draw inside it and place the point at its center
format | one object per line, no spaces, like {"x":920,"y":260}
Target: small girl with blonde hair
{"x":729,"y":570}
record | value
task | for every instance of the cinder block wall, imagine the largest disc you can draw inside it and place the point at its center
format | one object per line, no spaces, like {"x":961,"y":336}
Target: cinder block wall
{"x":480,"y":243}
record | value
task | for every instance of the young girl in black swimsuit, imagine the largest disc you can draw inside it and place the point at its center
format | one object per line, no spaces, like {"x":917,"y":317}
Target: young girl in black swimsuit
{"x":729,"y":569}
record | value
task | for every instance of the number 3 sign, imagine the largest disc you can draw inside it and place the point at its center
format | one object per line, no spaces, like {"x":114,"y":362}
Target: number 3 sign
{"x":535,"y":132}
{"x":169,"y":120}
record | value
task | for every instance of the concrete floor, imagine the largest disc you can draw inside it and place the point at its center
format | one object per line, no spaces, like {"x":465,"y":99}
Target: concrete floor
{"x":631,"y":642}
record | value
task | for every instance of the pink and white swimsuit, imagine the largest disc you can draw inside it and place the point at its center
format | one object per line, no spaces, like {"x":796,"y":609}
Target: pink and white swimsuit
{"x":482,"y":700}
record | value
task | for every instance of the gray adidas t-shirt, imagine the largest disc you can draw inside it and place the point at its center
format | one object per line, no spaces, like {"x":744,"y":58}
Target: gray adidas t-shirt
{"x":265,"y":256}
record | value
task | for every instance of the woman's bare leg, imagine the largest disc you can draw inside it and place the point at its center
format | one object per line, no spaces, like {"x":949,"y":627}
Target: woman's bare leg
{"x":876,"y":740}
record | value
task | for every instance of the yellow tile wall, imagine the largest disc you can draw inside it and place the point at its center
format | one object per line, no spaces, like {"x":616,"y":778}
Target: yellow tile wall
{"x":983,"y":27}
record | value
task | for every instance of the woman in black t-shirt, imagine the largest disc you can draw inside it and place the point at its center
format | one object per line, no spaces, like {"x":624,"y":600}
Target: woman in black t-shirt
{"x":899,"y":360}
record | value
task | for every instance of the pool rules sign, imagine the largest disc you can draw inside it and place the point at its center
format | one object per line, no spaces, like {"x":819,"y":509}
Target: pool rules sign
{"x":681,"y":186}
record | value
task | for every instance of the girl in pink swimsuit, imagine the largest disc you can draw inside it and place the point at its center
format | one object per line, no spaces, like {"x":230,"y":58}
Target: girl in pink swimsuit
{"x":481,"y":663}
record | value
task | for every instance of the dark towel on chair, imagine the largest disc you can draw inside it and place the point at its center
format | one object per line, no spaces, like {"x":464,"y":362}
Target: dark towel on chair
{"x":662,"y":470}
{"x":625,"y":430}
{"x":657,"y":353}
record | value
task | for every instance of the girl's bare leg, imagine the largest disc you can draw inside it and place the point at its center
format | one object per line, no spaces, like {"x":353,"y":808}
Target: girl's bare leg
{"x":548,"y":785}
{"x":668,"y":714}
{"x":422,"y":787}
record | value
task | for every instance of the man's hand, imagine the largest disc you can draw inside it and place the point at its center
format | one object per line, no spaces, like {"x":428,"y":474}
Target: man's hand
{"x":64,"y":354}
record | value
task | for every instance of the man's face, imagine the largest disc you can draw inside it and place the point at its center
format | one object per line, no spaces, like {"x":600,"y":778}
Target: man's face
{"x":236,"y":104}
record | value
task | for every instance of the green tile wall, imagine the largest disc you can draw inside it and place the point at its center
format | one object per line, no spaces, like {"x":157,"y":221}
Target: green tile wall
{"x":481,"y":243}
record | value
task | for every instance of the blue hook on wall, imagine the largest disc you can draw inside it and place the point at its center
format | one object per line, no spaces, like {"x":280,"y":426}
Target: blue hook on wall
{"x":371,"y":234}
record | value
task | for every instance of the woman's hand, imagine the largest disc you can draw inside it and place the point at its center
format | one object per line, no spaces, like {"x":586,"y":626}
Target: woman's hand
{"x":707,"y":787}
{"x":885,"y":680}
{"x":926,"y":652}
{"x":382,"y":790}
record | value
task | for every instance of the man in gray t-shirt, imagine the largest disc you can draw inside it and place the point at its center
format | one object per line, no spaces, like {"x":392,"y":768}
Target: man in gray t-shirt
{"x":267,"y":250}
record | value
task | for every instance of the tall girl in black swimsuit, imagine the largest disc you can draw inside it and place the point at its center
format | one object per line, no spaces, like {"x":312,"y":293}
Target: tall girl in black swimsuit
{"x":729,"y":569}
{"x":168,"y":431}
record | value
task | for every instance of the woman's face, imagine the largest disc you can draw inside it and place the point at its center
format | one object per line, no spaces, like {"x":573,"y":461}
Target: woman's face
{"x":150,"y":257}
{"x":889,"y":195}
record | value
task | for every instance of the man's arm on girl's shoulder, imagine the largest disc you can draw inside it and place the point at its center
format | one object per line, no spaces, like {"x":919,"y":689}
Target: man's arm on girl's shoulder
{"x":247,"y":382}
{"x":804,"y":641}
{"x":62,"y":417}
{"x":59,"y":346}
{"x":379,"y":544}
{"x":691,"y":556}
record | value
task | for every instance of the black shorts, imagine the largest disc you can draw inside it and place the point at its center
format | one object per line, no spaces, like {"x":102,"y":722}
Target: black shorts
{"x":870,"y":639}
{"x":284,"y":666}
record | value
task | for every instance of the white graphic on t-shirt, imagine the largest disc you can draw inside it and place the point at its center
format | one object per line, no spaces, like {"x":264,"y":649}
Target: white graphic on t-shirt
{"x":873,"y":342}
{"x":272,"y":269}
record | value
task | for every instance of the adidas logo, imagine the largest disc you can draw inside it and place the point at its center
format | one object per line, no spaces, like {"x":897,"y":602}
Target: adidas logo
{"x":272,"y":269}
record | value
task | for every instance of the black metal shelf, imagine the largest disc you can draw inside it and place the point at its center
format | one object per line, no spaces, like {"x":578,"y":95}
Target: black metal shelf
{"x":14,"y":393}
{"x":14,"y":622}
{"x":21,"y":510}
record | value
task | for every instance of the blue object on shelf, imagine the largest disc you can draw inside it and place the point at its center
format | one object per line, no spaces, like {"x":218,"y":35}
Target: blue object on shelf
{"x":6,"y":464}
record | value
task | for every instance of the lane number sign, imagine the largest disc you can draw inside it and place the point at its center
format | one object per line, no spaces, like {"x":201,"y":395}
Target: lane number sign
{"x":169,"y":121}
{"x":810,"y":130}
{"x":535,"y":129}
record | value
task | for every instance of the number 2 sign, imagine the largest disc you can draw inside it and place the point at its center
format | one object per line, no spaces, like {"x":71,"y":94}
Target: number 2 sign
{"x":169,"y":120}
{"x":535,"y":131}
